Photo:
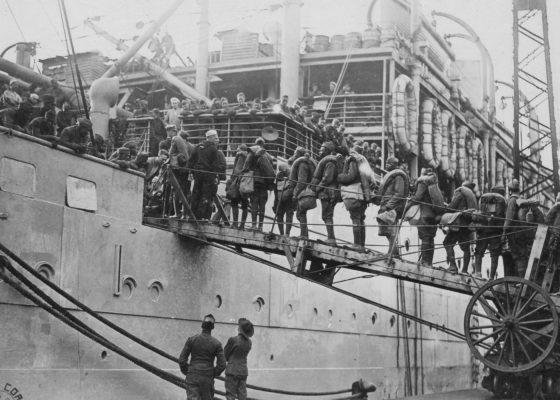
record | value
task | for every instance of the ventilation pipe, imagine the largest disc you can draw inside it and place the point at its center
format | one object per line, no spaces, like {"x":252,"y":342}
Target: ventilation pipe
{"x":201,"y":84}
{"x":289,"y":75}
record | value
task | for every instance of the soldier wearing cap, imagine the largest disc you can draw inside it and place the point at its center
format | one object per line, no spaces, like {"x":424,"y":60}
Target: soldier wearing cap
{"x":325,"y":185}
{"x":511,"y":233}
{"x":208,"y":165}
{"x":391,"y":196}
{"x":430,"y":199}
{"x":76,"y":136}
{"x":236,"y":351}
{"x":172,"y":115}
{"x":197,"y":361}
{"x":463,"y":199}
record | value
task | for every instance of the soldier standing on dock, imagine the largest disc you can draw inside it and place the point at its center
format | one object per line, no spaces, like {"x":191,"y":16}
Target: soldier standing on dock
{"x":200,"y":370}
{"x":236,"y":351}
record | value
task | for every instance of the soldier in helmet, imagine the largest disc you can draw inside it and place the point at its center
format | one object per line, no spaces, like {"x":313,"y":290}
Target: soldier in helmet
{"x":76,"y":136}
{"x":512,"y":233}
{"x":430,"y":199}
{"x":463,"y":199}
{"x":490,"y":220}
{"x":391,"y":196}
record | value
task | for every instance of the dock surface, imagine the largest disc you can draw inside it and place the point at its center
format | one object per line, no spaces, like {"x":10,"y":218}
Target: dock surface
{"x":473,"y":394}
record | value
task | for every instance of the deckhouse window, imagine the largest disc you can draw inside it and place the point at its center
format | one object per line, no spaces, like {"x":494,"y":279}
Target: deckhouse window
{"x":17,"y":177}
{"x":81,"y":194}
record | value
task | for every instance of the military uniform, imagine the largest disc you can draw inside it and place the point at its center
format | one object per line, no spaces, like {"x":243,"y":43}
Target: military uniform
{"x":428,"y":196}
{"x":463,"y":199}
{"x":300,"y":177}
{"x":208,"y":166}
{"x":259,"y":161}
{"x":232,"y":189}
{"x":392,"y":194}
{"x":325,"y":184}
{"x":236,"y":351}
{"x":200,"y":371}
{"x":350,"y":175}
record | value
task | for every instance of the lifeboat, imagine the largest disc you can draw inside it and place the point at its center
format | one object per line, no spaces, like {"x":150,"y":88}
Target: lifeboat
{"x":452,"y":147}
{"x":445,"y":116}
{"x":462,"y":134}
{"x":431,"y":127}
{"x":404,"y":116}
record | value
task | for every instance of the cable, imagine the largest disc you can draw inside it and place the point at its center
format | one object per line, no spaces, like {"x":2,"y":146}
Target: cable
{"x":113,"y":326}
{"x":15,"y":20}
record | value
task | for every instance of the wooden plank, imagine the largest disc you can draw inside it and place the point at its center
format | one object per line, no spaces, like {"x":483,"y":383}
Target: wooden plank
{"x":299,"y":262}
{"x":536,"y":250}
{"x":288,"y":253}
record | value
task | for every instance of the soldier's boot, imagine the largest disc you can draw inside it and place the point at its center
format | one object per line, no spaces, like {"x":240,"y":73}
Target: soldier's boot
{"x":254,"y":219}
{"x":357,"y":231}
{"x":235,"y":216}
{"x":427,"y":254}
{"x":363,"y":235}
{"x":451,"y":260}
{"x":393,"y":246}
{"x":478,"y":265}
{"x":330,"y":231}
{"x":244,"y":213}
{"x":261,"y":221}
{"x":303,"y":232}
{"x":493,"y":267}
{"x":280,"y":225}
{"x":466,"y":261}
{"x":289,"y":221}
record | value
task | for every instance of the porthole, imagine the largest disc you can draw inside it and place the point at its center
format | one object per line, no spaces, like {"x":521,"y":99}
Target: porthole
{"x":392,"y":321}
{"x":407,"y":244}
{"x":128,"y":287}
{"x":258,"y":302}
{"x":315,"y":312}
{"x":290,"y":310}
{"x":373,"y":318}
{"x":46,"y":270}
{"x":103,"y":355}
{"x":330,"y":314}
{"x":218,"y":301}
{"x":156,"y":289}
{"x":354,"y":316}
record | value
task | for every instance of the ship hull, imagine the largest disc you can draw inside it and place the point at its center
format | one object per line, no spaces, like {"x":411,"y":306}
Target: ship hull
{"x":157,"y":285}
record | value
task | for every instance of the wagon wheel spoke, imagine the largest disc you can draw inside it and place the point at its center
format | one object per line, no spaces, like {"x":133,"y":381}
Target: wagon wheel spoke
{"x":526,"y":303}
{"x":507,"y":298}
{"x":503,"y":348}
{"x":532,"y":341}
{"x":497,"y":301}
{"x":536,"y":321}
{"x":484,"y":326}
{"x":477,"y":314}
{"x":512,"y":345}
{"x":485,"y":337}
{"x":494,"y":345}
{"x":489,"y":308}
{"x":532,"y":311}
{"x":534,"y":332}
{"x":523,"y":348}
{"x":518,"y":298}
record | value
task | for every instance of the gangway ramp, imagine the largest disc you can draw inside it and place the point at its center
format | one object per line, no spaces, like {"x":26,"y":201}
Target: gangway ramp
{"x":298,"y":250}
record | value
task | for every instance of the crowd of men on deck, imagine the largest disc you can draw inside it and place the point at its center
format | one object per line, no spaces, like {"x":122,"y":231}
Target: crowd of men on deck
{"x":503,"y":226}
{"x":345,"y":170}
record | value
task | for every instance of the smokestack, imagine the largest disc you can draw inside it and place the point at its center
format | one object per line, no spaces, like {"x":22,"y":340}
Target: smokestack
{"x":201,"y":84}
{"x":289,"y":74}
{"x":23,"y":54}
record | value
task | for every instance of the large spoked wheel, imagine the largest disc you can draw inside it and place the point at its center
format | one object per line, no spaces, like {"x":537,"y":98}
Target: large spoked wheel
{"x":511,"y":325}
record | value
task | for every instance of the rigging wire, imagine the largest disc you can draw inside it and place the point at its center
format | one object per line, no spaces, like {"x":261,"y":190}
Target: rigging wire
{"x":68,"y":52}
{"x":15,"y":20}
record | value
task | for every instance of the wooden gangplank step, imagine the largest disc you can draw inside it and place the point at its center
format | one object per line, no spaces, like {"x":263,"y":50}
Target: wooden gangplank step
{"x":345,"y":257}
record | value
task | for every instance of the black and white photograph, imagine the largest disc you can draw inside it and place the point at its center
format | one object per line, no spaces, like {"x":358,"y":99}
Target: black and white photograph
{"x":279,"y":199}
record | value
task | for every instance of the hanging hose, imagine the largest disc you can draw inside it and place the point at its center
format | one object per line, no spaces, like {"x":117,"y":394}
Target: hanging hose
{"x":62,"y":314}
{"x":120,"y":330}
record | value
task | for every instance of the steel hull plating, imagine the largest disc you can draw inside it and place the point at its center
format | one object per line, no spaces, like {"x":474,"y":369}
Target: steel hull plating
{"x":158,"y":285}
